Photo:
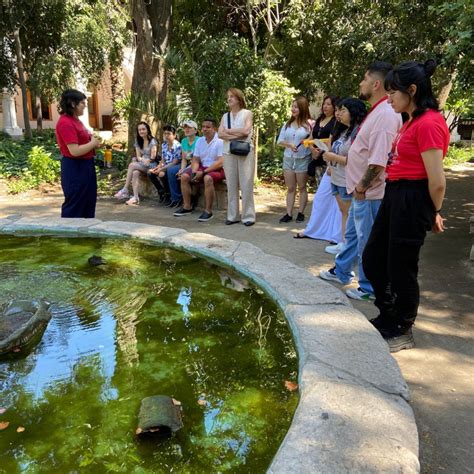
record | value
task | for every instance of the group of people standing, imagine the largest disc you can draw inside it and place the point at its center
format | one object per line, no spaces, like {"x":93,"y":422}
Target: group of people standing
{"x":381,"y":192}
{"x":385,"y":170}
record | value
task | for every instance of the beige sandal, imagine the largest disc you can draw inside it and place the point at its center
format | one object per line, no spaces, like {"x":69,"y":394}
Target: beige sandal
{"x":133,"y":201}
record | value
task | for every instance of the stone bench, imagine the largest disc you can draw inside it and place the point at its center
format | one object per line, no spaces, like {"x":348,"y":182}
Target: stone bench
{"x":146,"y":189}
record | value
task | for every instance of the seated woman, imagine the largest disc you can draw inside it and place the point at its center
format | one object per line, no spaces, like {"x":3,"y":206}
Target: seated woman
{"x":187,"y":150}
{"x":351,"y":113}
{"x":170,"y":157}
{"x":146,"y":148}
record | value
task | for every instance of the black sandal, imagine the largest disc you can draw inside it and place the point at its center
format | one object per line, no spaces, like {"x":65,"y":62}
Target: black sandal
{"x":300,"y":235}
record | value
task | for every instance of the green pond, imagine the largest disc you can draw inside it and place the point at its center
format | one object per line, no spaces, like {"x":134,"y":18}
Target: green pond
{"x":151,"y":321}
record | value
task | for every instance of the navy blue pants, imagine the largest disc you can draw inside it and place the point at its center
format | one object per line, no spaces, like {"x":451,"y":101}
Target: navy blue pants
{"x":79,"y":183}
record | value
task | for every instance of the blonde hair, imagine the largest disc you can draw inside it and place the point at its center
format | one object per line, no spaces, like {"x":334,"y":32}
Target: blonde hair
{"x":239,"y":95}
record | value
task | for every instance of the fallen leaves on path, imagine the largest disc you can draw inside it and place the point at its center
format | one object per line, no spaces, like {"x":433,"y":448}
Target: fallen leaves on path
{"x":4,"y":425}
{"x":291,"y":386}
{"x":20,"y":429}
{"x":2,"y":410}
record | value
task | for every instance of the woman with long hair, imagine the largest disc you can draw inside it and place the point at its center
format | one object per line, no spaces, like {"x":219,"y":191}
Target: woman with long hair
{"x":352,"y":113}
{"x":77,"y":146}
{"x":325,"y":219}
{"x":296,"y":157}
{"x":414,"y":194}
{"x":237,"y":124}
{"x":146,"y":148}
{"x":323,"y":129}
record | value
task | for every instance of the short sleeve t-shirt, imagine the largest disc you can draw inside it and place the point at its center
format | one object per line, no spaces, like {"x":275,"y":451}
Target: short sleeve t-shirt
{"x":372,"y":146}
{"x":427,"y":132}
{"x":170,"y":153}
{"x":187,"y":148}
{"x":209,"y":153}
{"x":70,"y":130}
{"x":146,"y":151}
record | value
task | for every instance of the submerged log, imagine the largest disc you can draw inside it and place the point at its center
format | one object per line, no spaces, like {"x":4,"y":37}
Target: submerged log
{"x":22,"y":322}
{"x":159,"y":415}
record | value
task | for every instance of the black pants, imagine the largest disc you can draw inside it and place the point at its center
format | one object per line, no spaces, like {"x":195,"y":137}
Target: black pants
{"x":79,"y":183}
{"x":161,"y":184}
{"x":390,"y":258}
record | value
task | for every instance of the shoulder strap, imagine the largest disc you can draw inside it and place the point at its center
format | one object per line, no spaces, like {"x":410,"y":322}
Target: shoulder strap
{"x":228,"y":119}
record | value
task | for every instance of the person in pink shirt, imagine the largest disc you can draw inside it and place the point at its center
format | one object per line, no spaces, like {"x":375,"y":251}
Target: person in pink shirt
{"x":412,"y":203}
{"x":365,"y":179}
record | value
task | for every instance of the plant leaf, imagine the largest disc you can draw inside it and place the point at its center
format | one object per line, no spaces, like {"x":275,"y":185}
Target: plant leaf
{"x":291,"y":386}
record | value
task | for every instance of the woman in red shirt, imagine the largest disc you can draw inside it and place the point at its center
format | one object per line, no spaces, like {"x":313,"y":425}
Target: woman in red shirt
{"x":77,"y":146}
{"x":414,"y":194}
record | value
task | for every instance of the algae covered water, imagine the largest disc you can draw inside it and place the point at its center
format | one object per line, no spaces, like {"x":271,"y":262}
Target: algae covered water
{"x":151,"y":321}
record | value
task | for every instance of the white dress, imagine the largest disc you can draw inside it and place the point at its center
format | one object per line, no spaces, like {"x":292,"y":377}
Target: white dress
{"x":325,"y":220}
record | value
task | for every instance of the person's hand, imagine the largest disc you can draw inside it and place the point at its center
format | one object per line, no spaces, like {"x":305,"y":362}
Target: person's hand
{"x":438,"y":225}
{"x":154,"y":170}
{"x":146,"y":161}
{"x":96,"y":142}
{"x":294,"y":148}
{"x":327,"y":156}
{"x":357,"y":195}
{"x":197,"y":176}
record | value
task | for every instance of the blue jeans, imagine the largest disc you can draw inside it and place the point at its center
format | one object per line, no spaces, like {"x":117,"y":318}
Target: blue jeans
{"x":175,"y":184}
{"x":359,"y":224}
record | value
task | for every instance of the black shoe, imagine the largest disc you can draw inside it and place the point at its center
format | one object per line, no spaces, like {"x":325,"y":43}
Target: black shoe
{"x":229,"y":222}
{"x":401,"y":341}
{"x":286,"y":218}
{"x":174,"y":204}
{"x":166,"y":202}
{"x":182,"y":212}
{"x":205,"y":216}
{"x":249,"y":223}
{"x":161,"y":198}
{"x":178,"y":204}
{"x":300,"y":217}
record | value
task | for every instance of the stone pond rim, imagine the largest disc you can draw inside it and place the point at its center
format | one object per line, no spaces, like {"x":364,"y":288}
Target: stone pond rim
{"x":353,"y":414}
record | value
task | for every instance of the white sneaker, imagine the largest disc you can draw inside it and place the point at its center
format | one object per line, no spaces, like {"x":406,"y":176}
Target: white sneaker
{"x":360,"y":294}
{"x":334,"y":249}
{"x":330,"y":275}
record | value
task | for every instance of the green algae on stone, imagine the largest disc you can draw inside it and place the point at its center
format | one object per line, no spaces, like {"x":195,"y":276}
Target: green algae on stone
{"x":120,"y":332}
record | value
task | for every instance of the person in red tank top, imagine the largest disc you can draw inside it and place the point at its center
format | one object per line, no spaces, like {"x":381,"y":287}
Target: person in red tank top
{"x":77,"y":146}
{"x":414,"y":194}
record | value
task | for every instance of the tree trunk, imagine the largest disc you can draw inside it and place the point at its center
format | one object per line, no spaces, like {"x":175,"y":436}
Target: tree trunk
{"x":39,"y":113}
{"x":118,"y":93}
{"x":152,"y":21}
{"x":21,"y":77}
{"x":446,"y":86}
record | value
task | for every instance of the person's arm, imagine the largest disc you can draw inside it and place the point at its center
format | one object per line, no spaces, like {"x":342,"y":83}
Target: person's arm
{"x":217,"y":165}
{"x":154,"y":152}
{"x":284,"y":144}
{"x":433,"y":161}
{"x":224,"y":133}
{"x":369,"y":177}
{"x":330,"y":156}
{"x":138,"y":153}
{"x":80,"y":150}
{"x":244,"y":131}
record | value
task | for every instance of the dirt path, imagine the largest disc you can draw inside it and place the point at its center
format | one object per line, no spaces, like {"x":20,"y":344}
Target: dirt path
{"x":439,"y":370}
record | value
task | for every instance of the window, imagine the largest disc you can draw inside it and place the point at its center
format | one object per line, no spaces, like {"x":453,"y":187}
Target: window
{"x":45,"y":107}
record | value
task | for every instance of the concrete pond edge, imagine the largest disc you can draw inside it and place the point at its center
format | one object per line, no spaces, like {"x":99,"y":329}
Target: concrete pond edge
{"x":353,"y":414}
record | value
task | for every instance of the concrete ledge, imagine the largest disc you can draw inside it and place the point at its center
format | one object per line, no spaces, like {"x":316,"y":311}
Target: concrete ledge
{"x":353,"y":415}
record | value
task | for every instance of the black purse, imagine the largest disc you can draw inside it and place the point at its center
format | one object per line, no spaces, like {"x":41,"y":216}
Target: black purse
{"x":238,"y":147}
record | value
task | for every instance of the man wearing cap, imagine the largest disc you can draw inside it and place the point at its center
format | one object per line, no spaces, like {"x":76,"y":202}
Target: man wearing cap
{"x":187,"y":149}
{"x":206,"y":166}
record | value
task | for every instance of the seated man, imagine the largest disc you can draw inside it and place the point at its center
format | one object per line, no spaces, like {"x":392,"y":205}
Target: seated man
{"x":206,"y":166}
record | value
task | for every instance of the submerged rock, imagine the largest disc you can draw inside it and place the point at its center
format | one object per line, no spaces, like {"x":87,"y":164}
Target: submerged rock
{"x":159,"y":415}
{"x":95,"y":261}
{"x":22,"y":322}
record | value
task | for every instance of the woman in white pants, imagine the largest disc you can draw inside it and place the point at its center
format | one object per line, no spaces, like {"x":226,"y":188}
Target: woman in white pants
{"x":239,"y":170}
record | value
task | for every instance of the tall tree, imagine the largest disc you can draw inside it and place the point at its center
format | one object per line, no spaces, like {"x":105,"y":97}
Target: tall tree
{"x":152,"y":27}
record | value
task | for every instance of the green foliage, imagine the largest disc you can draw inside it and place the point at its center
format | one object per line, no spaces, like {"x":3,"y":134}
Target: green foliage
{"x":459,"y":154}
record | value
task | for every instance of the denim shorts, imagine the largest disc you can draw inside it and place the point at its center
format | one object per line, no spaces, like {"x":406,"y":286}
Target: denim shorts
{"x":341,"y":190}
{"x":298,"y":165}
